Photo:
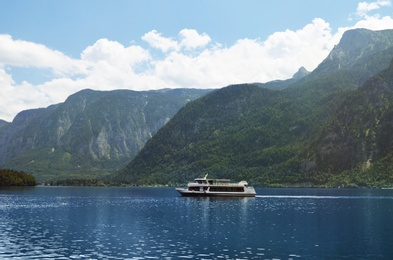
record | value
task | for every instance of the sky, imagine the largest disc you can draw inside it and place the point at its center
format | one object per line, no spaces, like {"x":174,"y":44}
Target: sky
{"x":52,"y":49}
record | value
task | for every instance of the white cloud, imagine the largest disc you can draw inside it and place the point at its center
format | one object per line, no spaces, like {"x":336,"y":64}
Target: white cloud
{"x":7,"y":107}
{"x":112,"y":65}
{"x":191,"y":39}
{"x":249,"y":60}
{"x":371,"y":22}
{"x":28,"y":54}
{"x":365,"y":7}
{"x":15,"y":98}
{"x":114,"y":53}
{"x":375,"y":23}
{"x":189,"y":59}
{"x":188,"y":39}
{"x":155,"y":40}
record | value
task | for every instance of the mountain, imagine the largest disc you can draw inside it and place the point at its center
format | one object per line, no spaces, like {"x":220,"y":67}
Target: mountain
{"x":229,"y":133}
{"x":360,"y":51}
{"x":3,"y":123}
{"x":358,"y":140}
{"x":92,"y":132}
{"x":283,"y":84}
{"x":269,"y":136}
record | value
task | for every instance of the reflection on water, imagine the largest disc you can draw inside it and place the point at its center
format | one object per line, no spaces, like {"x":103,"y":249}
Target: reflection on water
{"x":145,"y":223}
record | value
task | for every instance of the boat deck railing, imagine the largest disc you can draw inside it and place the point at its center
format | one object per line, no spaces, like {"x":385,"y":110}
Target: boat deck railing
{"x":218,"y":183}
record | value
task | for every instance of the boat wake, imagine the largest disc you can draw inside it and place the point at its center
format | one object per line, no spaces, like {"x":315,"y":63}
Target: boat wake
{"x":321,"y":197}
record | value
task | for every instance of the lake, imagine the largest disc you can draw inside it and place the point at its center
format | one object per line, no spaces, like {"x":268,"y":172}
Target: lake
{"x":156,"y":223}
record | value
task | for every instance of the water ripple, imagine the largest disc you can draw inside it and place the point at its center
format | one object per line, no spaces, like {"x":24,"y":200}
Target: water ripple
{"x":148,"y":223}
{"x":324,"y":197}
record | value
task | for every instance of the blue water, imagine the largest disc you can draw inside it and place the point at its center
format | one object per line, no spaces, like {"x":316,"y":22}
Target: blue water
{"x":156,"y":223}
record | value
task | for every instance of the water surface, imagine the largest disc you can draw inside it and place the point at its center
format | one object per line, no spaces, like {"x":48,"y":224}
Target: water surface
{"x":156,"y":223}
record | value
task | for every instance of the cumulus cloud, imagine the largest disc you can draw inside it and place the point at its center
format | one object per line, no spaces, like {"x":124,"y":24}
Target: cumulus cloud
{"x":365,"y":7}
{"x":28,"y":54}
{"x":187,"y":39}
{"x":8,"y":110}
{"x":15,"y":98}
{"x":189,"y":59}
{"x":191,"y":39}
{"x":112,"y":65}
{"x":157,"y":41}
{"x":367,"y":20}
{"x":114,"y":53}
{"x":375,"y":23}
{"x":249,"y":60}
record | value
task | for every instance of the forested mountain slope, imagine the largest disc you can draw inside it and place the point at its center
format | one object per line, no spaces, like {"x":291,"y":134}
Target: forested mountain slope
{"x":266,"y":136}
{"x":92,"y":132}
{"x":356,"y":147}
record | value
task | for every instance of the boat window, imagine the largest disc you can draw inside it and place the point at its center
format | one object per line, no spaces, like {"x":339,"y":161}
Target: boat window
{"x":227,"y":189}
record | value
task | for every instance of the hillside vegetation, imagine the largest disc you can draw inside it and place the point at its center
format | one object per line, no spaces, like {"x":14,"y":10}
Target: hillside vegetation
{"x":358,"y":141}
{"x":90,"y":135}
{"x":16,"y":178}
{"x":328,"y":128}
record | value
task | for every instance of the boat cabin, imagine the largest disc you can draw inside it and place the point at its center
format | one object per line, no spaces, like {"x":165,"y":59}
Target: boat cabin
{"x":217,"y":187}
{"x":211,"y":181}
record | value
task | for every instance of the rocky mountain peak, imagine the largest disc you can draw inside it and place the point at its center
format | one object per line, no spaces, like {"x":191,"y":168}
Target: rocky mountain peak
{"x":301,"y":73}
{"x":359,"y":49}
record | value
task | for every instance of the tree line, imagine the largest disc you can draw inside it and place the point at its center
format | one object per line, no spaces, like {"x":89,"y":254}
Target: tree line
{"x":16,"y":178}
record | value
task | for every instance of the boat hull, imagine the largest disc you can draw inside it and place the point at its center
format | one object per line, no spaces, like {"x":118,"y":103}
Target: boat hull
{"x":188,"y":193}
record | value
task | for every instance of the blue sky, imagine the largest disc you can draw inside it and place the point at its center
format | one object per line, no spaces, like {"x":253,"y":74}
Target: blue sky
{"x":70,"y":26}
{"x":51,"y":49}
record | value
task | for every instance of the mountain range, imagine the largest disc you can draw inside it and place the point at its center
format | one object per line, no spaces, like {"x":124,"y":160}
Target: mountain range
{"x":91,"y":134}
{"x":327,"y":127}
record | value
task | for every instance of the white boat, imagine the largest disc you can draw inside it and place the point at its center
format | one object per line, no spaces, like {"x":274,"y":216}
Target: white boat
{"x":217,"y":187}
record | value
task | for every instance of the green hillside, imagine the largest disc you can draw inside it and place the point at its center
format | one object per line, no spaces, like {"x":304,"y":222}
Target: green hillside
{"x":16,"y":178}
{"x":328,"y":127}
{"x":273,"y":137}
{"x":356,"y":147}
{"x":238,"y":132}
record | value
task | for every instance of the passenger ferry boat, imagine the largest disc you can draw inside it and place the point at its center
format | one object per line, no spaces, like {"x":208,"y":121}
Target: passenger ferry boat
{"x":217,"y":187}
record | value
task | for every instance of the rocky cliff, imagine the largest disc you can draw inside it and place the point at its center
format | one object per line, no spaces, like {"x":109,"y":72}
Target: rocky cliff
{"x":91,"y":132}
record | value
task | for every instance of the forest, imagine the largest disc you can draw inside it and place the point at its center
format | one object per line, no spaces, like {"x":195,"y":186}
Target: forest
{"x":16,"y":178}
{"x":330,"y":129}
